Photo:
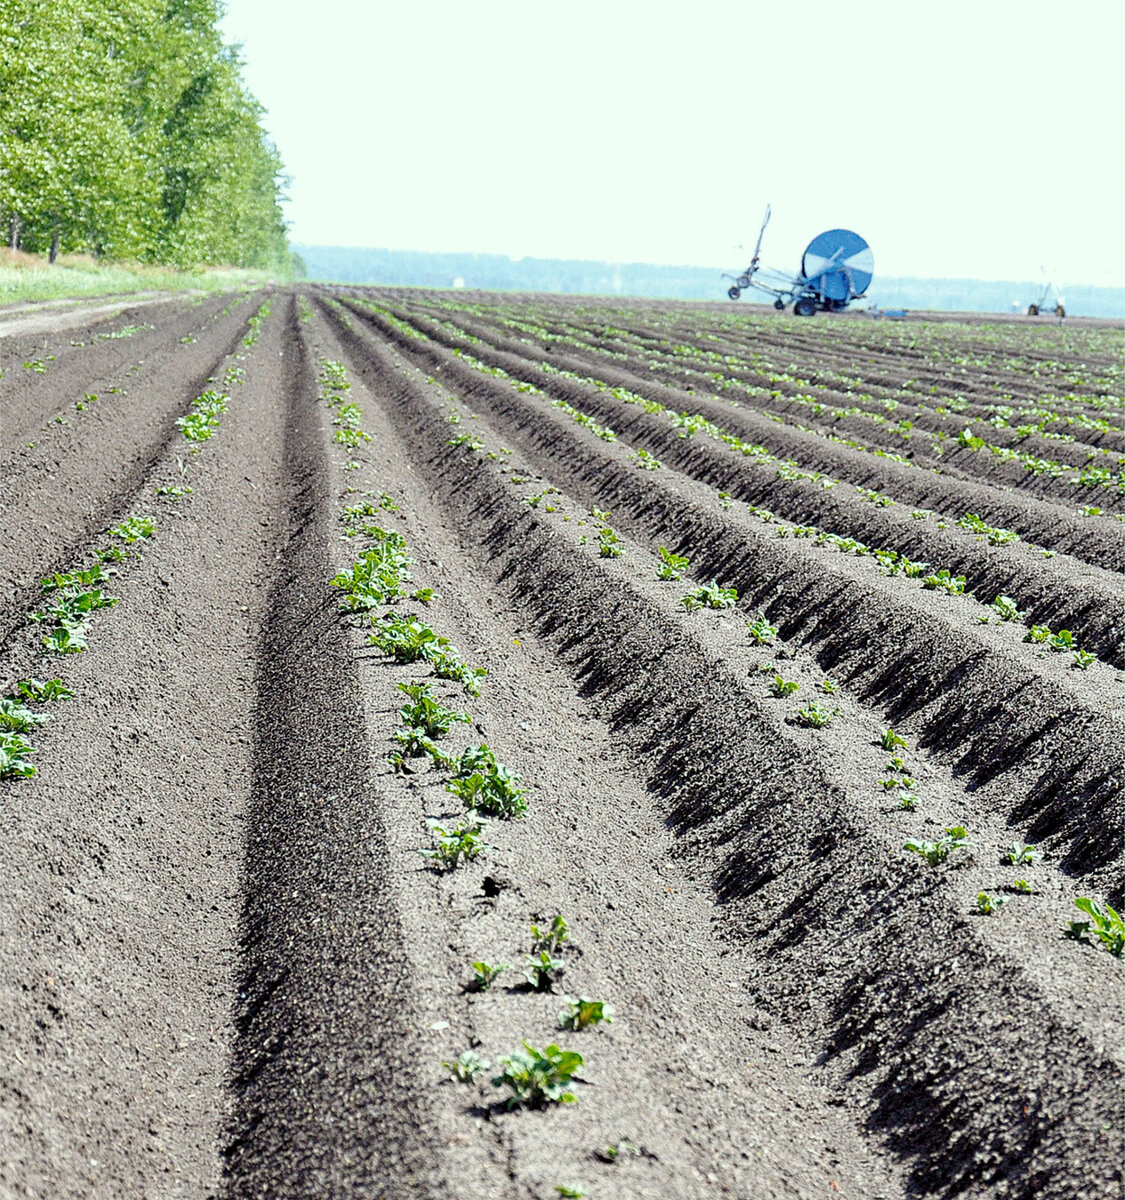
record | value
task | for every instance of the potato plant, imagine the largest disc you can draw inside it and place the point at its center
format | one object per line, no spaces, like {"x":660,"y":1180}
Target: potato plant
{"x":538,"y":1077}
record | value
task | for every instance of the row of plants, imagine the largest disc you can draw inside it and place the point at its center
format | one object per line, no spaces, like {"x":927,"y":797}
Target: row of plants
{"x":688,"y":424}
{"x":1090,"y":476}
{"x":890,"y":562}
{"x":1103,"y":923}
{"x":74,"y":596}
{"x":376,"y":590}
{"x":724,"y":378}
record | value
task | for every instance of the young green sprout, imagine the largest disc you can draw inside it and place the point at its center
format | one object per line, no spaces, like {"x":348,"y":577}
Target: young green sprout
{"x":14,"y":751}
{"x":890,"y":740}
{"x":1105,"y":924}
{"x":761,"y":631}
{"x":672,"y":566}
{"x":828,"y":686}
{"x":581,"y":1013}
{"x":647,"y":461}
{"x":783,"y":687}
{"x":540,"y":970}
{"x":710,"y":595}
{"x":609,"y":544}
{"x":815,"y":715}
{"x":538,"y":1077}
{"x":39,"y":691}
{"x":485,"y":974}
{"x":1006,"y":609}
{"x":458,"y":843}
{"x":956,"y":837}
{"x":466,"y":1067}
{"x":987,"y":905}
{"x":1019,"y":853}
{"x":550,"y":937}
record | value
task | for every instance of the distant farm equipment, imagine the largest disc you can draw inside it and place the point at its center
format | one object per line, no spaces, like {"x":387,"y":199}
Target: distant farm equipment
{"x":836,"y":269}
{"x":1044,"y":304}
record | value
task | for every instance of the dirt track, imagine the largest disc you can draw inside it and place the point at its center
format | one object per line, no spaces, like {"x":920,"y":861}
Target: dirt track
{"x":226,"y":969}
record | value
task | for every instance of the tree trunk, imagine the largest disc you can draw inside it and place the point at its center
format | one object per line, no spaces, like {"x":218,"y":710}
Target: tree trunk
{"x":54,"y":247}
{"x":14,"y":233}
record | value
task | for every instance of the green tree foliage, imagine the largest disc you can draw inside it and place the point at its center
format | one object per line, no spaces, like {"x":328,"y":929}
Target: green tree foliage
{"x":126,"y":131}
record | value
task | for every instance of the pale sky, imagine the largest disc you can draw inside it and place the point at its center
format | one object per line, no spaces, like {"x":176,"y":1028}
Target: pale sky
{"x":980,"y":139}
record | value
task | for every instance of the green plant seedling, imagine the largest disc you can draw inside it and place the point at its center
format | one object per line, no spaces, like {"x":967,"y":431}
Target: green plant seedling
{"x":761,"y":631}
{"x":448,"y":665}
{"x":406,"y":639}
{"x":710,"y":595}
{"x":1105,"y":924}
{"x":648,"y":462}
{"x":895,"y":764}
{"x":38,"y":690}
{"x":466,"y":1067}
{"x":890,"y":740}
{"x":815,"y":715}
{"x":1006,"y":609}
{"x":1037,"y":635}
{"x":550,"y":937}
{"x":1022,"y":885}
{"x":69,"y":638}
{"x":494,"y":791}
{"x":14,"y":751}
{"x":1084,"y":659}
{"x":828,"y":686}
{"x":672,"y":566}
{"x":1063,"y":640}
{"x":943,"y":581}
{"x":726,"y":500}
{"x":987,"y":905}
{"x":908,"y":801}
{"x":456,"y":844}
{"x":540,"y":970}
{"x":16,"y":718}
{"x":485,"y":974}
{"x":132,"y":529}
{"x":425,"y":713}
{"x":1019,"y":853}
{"x":956,"y":837}
{"x":535,"y":500}
{"x":609,"y":544}
{"x":571,"y":1191}
{"x":783,"y":687}
{"x":617,"y":1150}
{"x":538,"y":1077}
{"x":581,"y":1013}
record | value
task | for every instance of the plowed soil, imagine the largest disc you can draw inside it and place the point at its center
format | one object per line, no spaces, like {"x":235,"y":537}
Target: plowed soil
{"x":228,"y":965}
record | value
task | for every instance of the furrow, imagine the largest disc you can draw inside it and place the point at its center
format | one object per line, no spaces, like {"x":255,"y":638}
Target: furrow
{"x":867,"y":955}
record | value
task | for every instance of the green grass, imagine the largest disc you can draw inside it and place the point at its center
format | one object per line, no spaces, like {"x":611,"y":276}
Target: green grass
{"x":33,"y":279}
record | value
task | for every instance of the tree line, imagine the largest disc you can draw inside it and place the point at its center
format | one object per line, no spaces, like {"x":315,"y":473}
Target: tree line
{"x":126,"y":131}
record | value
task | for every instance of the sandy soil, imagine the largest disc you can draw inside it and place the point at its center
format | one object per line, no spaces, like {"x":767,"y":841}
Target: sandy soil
{"x":228,"y":968}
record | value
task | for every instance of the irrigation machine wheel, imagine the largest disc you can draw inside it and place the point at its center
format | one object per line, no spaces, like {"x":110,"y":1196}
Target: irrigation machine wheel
{"x":805,"y":307}
{"x":1033,"y":310}
{"x":734,"y":292}
{"x":779,"y":304}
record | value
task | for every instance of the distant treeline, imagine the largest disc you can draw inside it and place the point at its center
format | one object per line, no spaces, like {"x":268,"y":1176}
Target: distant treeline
{"x":126,"y":132}
{"x":405,"y":268}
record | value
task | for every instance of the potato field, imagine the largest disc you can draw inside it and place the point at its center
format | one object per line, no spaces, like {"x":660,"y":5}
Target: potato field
{"x":509,"y":747}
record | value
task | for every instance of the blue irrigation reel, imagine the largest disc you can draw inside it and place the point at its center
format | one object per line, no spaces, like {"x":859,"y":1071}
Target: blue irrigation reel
{"x":836,"y":269}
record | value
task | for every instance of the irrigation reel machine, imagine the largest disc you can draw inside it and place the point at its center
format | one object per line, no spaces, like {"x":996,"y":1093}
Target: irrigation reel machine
{"x":836,"y":268}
